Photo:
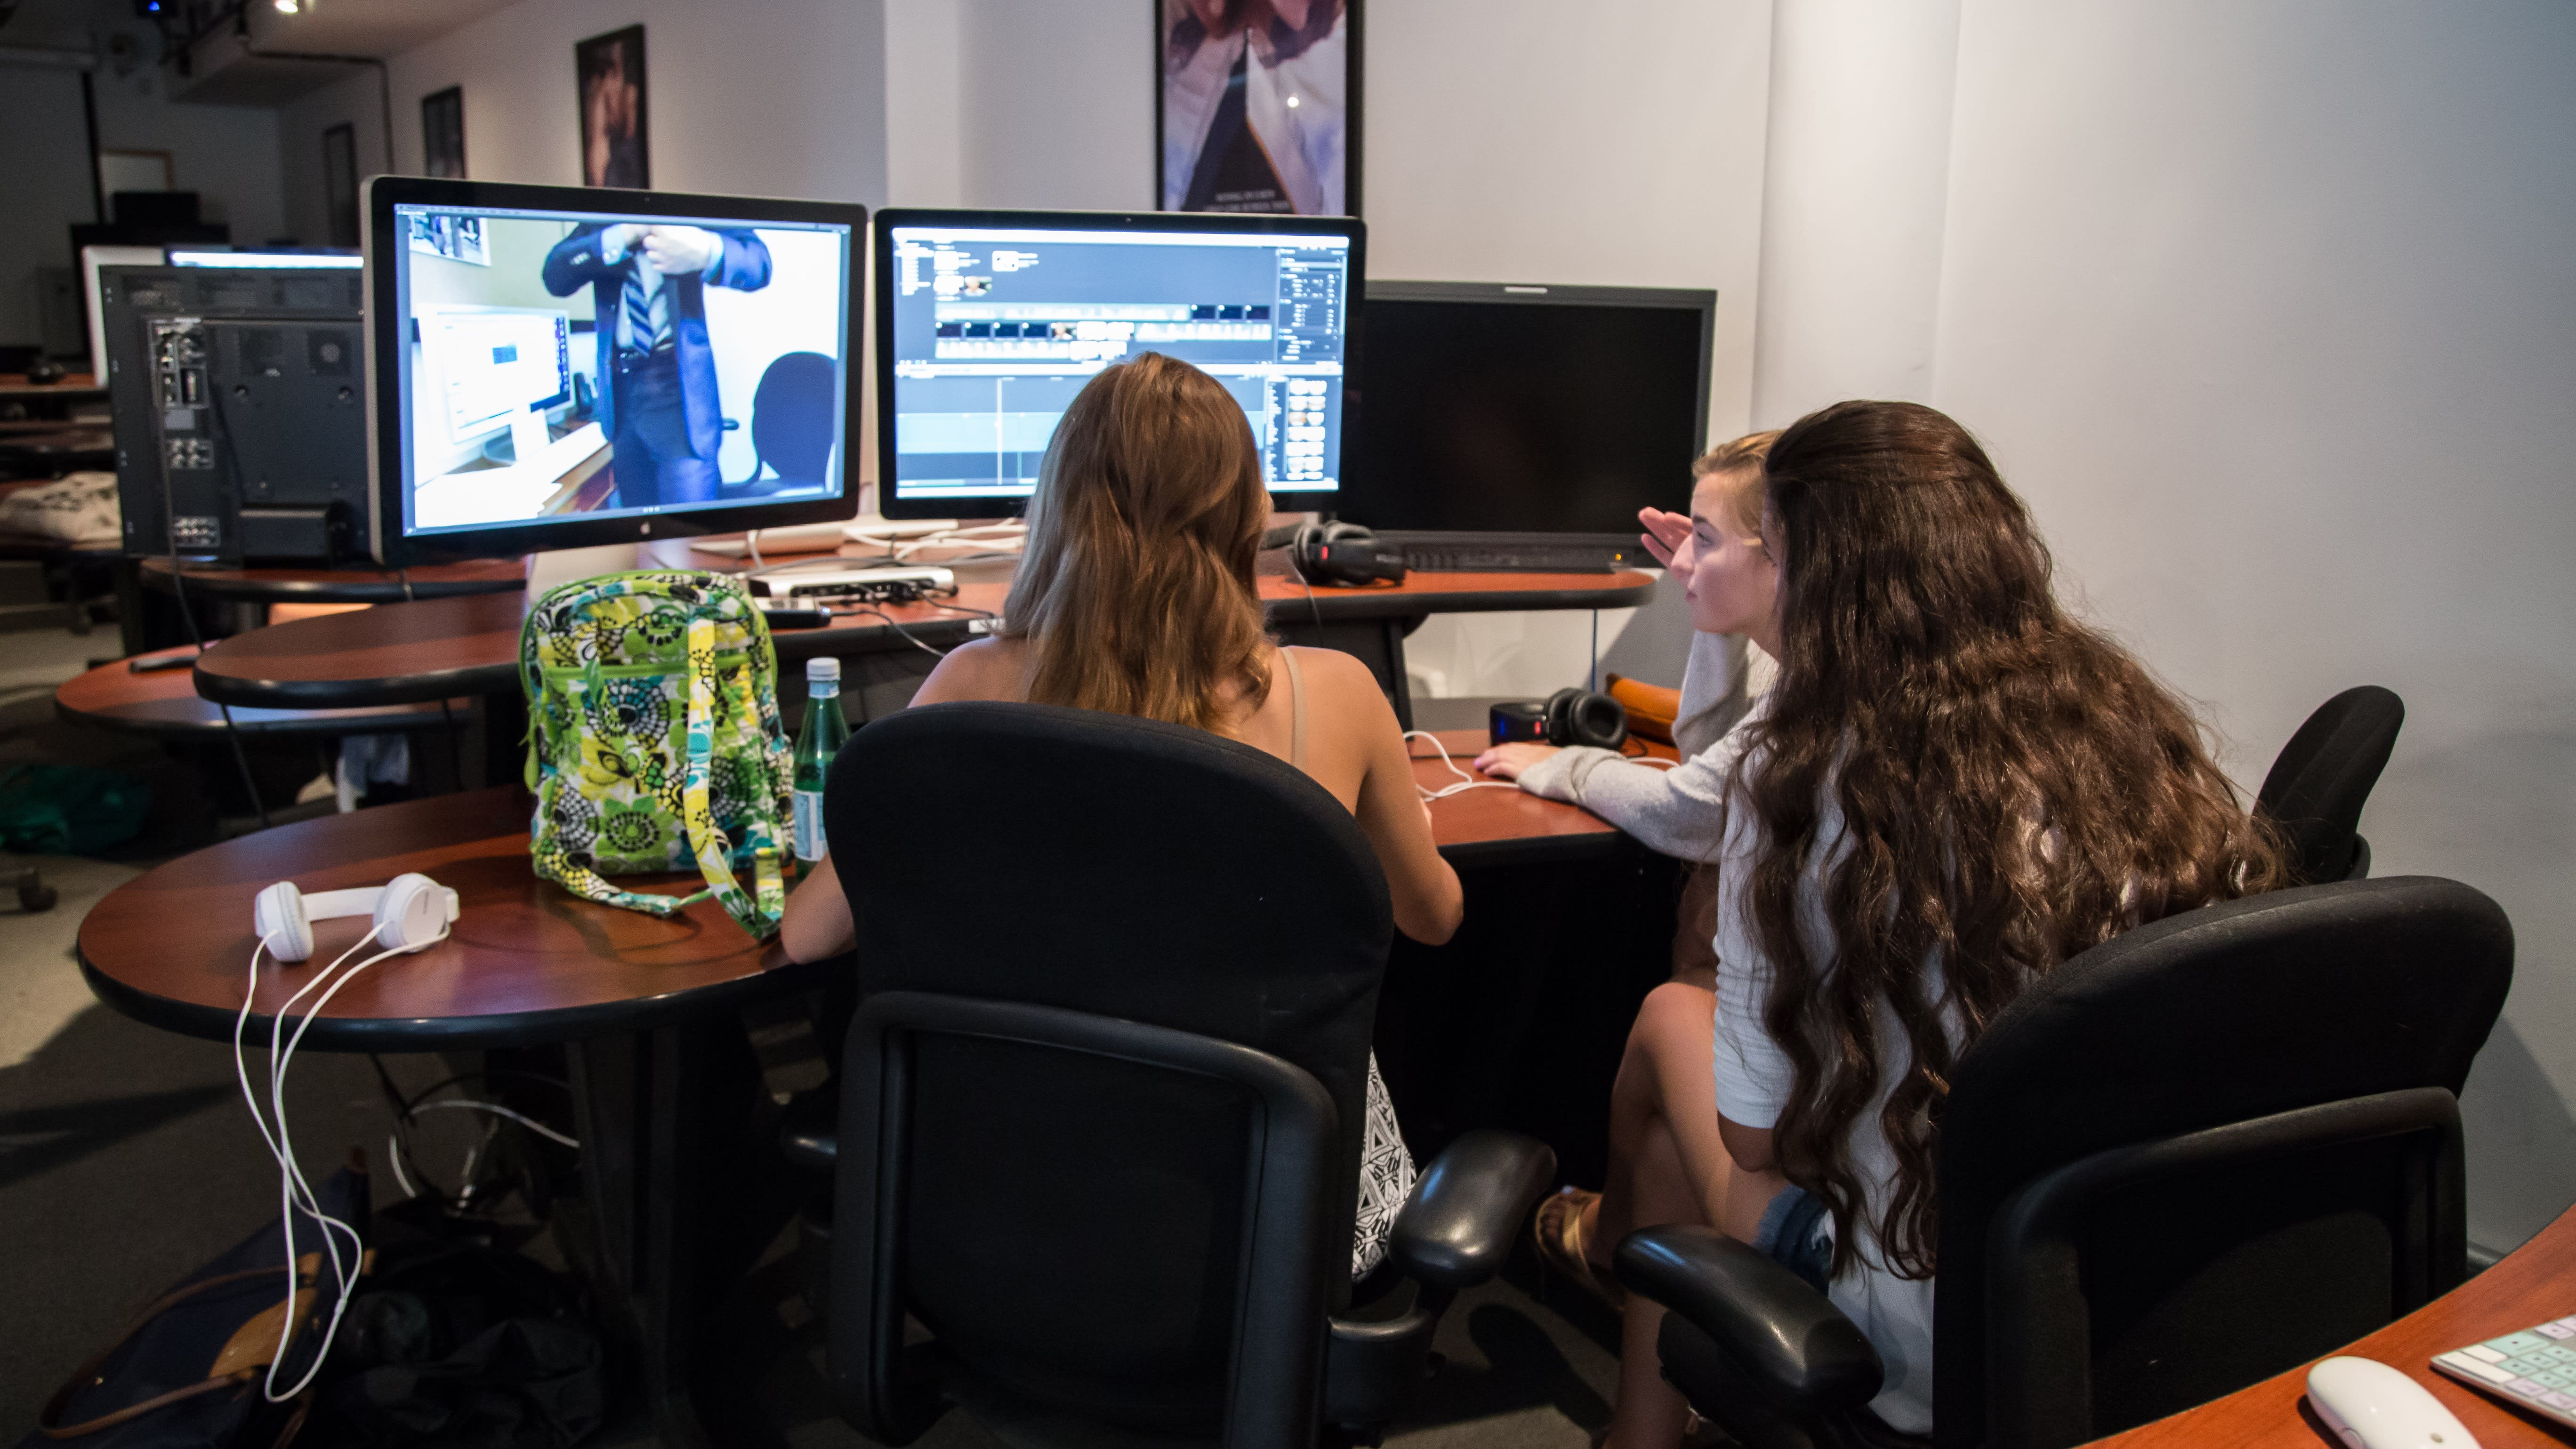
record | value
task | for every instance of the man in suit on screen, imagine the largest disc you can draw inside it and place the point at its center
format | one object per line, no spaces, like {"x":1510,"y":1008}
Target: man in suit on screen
{"x":657,"y":371}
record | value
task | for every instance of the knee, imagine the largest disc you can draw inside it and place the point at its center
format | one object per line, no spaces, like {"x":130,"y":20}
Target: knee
{"x":1675,"y":1016}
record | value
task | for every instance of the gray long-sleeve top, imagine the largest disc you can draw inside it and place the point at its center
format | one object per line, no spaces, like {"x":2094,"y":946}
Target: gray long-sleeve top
{"x":1679,"y":811}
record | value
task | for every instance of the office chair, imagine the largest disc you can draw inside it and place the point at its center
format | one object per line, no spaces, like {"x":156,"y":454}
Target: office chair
{"x":1102,"y":1101}
{"x":2192,"y":1157}
{"x":791,"y":425}
{"x":2317,"y":787}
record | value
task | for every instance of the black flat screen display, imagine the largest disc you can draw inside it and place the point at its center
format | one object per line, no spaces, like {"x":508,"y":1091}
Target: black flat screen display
{"x":1496,"y":414}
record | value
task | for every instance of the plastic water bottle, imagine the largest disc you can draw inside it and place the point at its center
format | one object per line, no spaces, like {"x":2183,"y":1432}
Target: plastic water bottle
{"x":820,"y":738}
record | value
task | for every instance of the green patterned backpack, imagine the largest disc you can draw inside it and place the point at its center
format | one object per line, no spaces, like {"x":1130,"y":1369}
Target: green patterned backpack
{"x":654,"y":742}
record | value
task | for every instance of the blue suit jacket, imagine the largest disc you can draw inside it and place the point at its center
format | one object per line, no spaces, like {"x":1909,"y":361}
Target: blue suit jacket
{"x":744,"y":267}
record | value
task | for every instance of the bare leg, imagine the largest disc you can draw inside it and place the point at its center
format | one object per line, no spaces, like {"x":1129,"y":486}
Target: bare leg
{"x":1666,"y":1085}
{"x":1668,"y":1165}
{"x":1651,"y":1414}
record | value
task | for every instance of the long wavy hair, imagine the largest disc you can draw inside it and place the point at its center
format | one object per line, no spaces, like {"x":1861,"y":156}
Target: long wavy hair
{"x":2013,"y":787}
{"x":1135,"y":588}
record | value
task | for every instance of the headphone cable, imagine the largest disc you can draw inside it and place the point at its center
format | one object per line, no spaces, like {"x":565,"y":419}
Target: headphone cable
{"x":179,"y":591}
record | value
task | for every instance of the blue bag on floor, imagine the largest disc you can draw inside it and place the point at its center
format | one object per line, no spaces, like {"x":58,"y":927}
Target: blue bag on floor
{"x":189,"y":1372}
{"x":69,"y":809}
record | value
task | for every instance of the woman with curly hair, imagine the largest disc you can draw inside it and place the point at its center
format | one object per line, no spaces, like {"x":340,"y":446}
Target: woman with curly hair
{"x":1952,"y":787}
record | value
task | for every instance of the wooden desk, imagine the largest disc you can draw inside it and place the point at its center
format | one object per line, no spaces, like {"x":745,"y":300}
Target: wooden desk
{"x":642,"y":1001}
{"x":356,"y":585}
{"x":2534,"y":1283}
{"x":435,"y":648}
{"x":166,"y":702}
{"x":74,"y":387}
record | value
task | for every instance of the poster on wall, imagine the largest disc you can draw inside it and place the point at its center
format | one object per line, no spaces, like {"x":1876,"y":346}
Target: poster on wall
{"x":442,"y":134}
{"x":611,"y":72}
{"x":1259,"y":110}
{"x":340,"y":183}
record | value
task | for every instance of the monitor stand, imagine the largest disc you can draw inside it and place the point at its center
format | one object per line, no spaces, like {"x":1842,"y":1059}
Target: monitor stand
{"x":558,"y":566}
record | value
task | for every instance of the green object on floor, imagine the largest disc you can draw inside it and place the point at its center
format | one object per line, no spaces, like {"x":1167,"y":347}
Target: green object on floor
{"x":69,"y":809}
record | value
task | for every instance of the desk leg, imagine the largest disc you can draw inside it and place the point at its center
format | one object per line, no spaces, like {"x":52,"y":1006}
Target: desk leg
{"x":645,"y":1106}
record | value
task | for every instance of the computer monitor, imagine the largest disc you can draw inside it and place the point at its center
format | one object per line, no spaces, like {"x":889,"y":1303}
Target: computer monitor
{"x":240,"y":407}
{"x":1491,"y":408}
{"x":988,"y":323}
{"x":562,"y":367}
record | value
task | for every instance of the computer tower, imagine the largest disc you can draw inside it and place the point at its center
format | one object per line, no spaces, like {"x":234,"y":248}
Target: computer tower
{"x":240,"y":402}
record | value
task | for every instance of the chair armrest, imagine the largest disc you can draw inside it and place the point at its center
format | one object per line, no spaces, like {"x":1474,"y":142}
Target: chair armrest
{"x":1467,"y":1206}
{"x":1795,"y":1346}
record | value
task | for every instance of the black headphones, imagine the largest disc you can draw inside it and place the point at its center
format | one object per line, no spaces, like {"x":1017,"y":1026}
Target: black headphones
{"x":1568,"y":717}
{"x":1342,"y":553}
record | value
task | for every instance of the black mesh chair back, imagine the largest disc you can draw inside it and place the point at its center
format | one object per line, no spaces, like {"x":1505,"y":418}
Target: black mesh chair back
{"x":1102,"y":1095}
{"x":2323,"y":776}
{"x":2206,"y":1151}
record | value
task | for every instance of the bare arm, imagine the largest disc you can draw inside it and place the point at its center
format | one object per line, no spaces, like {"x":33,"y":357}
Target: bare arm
{"x":1428,"y":902}
{"x":1753,"y":1177}
{"x":817,"y":923}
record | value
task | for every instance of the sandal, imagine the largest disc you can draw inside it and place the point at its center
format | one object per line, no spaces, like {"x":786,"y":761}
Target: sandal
{"x":1558,"y":1229}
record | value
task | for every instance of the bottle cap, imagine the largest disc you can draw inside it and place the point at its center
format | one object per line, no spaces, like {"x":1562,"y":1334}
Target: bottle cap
{"x":818,"y":670}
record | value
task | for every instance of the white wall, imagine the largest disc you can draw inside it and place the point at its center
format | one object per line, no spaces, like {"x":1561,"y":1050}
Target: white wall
{"x":44,"y":173}
{"x":747,"y":98}
{"x":1852,"y":201}
{"x":2270,"y":311}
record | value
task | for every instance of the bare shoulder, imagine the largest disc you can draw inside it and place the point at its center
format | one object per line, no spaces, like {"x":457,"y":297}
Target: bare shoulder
{"x":982,"y":669}
{"x":1342,"y":685}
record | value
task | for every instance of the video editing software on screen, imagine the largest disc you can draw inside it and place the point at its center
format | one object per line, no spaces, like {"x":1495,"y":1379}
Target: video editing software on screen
{"x":996,"y":330}
{"x":561,"y":365}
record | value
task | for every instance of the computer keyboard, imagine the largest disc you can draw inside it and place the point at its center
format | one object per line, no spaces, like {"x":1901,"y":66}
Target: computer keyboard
{"x":1515,"y":553}
{"x":2534,"y":1370}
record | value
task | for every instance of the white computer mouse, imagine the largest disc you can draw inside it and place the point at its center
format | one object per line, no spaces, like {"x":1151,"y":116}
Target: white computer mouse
{"x":2372,"y":1406}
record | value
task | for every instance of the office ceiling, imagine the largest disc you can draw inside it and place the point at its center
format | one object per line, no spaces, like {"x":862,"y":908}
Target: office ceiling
{"x":227,"y":72}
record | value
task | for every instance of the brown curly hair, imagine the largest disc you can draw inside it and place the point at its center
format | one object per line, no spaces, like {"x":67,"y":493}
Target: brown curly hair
{"x":2013,"y":786}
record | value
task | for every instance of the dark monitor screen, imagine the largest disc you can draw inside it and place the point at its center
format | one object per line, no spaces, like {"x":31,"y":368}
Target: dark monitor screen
{"x":557,"y":367}
{"x":1526,"y":410}
{"x":990,"y":322}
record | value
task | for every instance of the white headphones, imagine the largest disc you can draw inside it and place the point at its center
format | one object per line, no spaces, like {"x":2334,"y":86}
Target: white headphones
{"x":412,"y":913}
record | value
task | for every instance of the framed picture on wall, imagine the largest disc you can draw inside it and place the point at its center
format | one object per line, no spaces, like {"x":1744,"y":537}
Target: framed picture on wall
{"x":610,"y":69}
{"x":1258,"y":106}
{"x":340,"y":183}
{"x":442,"y":134}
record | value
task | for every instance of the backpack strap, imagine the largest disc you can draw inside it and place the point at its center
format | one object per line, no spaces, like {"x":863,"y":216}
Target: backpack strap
{"x":757,"y":914}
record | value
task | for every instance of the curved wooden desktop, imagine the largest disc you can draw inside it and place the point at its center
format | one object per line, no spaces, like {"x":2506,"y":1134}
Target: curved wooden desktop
{"x":166,"y":702}
{"x":356,"y":585}
{"x":529,"y":961}
{"x":398,"y":653}
{"x":2533,"y":1284}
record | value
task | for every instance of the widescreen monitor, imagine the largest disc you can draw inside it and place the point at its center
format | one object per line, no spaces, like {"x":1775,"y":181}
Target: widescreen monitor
{"x":988,"y":323}
{"x":1527,"y":409}
{"x":560,"y":367}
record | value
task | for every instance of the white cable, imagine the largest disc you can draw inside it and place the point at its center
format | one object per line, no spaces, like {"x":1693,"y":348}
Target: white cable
{"x":292,"y":1180}
{"x":1470,"y":781}
{"x":288,"y":1179}
{"x":531,"y":1123}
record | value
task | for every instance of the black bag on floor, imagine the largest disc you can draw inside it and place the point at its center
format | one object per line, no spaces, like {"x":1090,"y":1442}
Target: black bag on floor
{"x":463,"y":1346}
{"x":190,"y":1371}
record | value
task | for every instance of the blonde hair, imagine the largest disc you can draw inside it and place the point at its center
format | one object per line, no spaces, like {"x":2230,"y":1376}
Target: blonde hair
{"x":1737,"y":466}
{"x":1136,"y":589}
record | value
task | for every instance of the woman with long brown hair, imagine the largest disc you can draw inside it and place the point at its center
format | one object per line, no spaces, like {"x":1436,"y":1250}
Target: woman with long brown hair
{"x":1952,"y":787}
{"x":1135,"y":595}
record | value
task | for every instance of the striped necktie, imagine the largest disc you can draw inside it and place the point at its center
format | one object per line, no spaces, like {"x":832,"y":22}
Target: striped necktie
{"x":648,"y":308}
